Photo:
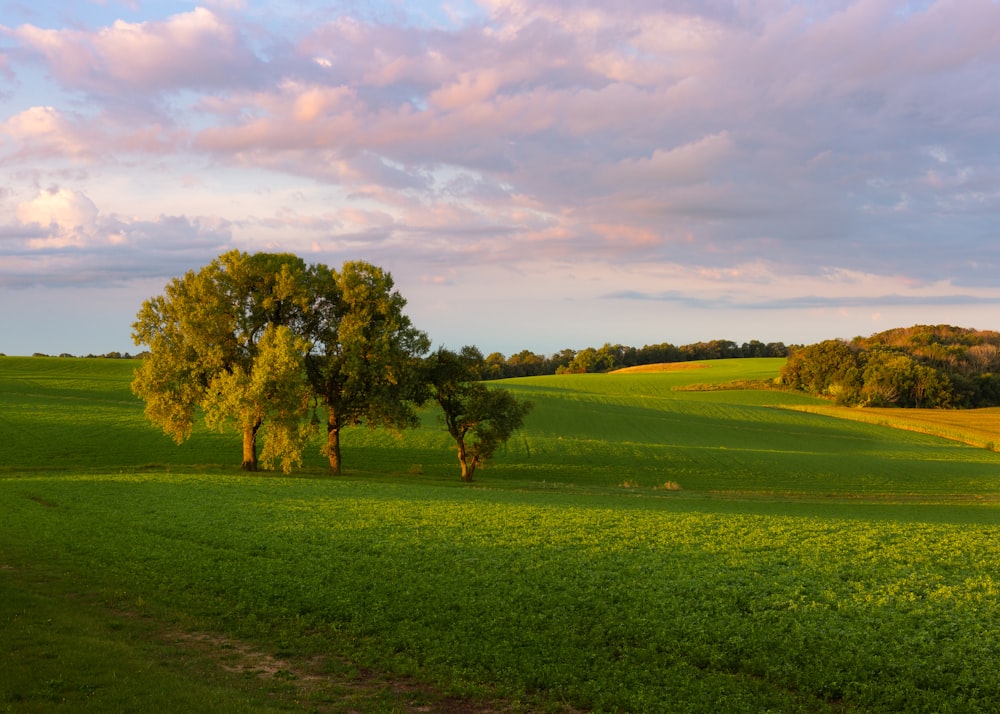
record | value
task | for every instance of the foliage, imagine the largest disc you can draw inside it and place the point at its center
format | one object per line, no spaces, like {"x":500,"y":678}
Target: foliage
{"x":249,"y":338}
{"x":940,"y":343}
{"x":610,"y":357}
{"x":827,"y":368}
{"x":478,"y":418}
{"x":274,"y":391}
{"x":366,"y":357}
{"x":205,"y":336}
{"x":892,"y":378}
{"x":919,"y":366}
{"x":605,"y":359}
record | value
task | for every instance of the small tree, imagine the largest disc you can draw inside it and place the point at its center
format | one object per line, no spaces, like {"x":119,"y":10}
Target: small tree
{"x":478,"y":418}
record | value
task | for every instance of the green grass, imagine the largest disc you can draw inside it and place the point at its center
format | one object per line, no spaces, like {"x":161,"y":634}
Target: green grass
{"x":808,"y":563}
{"x":65,"y":649}
{"x":72,"y":414}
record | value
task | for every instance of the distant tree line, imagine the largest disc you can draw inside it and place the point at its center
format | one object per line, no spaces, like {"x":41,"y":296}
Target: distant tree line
{"x":607,"y":358}
{"x":108,"y":355}
{"x":919,"y":366}
{"x":610,"y":357}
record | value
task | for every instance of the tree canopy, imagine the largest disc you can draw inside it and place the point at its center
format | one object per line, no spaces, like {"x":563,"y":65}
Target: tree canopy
{"x":479,"y":418}
{"x":919,"y":366}
{"x":253,"y":340}
{"x":364,"y":365}
{"x":610,"y":357}
{"x":224,"y":339}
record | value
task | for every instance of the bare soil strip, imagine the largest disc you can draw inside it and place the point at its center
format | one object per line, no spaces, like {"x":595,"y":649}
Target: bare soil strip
{"x":334,"y":685}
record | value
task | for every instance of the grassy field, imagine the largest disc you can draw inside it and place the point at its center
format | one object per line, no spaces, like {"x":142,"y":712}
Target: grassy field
{"x":806,"y":564}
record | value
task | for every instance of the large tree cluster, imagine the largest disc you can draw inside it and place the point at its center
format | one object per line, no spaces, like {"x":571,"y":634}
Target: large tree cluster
{"x":264,"y":344}
{"x":919,"y":366}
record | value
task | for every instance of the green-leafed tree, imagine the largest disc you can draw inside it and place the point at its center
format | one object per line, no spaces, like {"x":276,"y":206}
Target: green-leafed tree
{"x":226,"y":340}
{"x":586,"y":360}
{"x":478,"y":418}
{"x":495,"y":366}
{"x":273,"y":391}
{"x":827,"y":368}
{"x":365,"y":362}
{"x":894,"y":379}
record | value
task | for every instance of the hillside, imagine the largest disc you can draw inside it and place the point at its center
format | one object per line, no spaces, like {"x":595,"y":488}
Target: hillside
{"x":644,"y":544}
{"x":594,"y":431}
{"x":660,"y":367}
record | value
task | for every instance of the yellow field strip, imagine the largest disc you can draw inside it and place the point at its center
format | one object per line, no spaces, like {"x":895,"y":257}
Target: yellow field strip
{"x":976,"y":427}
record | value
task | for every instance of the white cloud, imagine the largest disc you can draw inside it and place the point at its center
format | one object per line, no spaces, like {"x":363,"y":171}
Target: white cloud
{"x":194,"y":49}
{"x":44,"y":131}
{"x":69,"y":216}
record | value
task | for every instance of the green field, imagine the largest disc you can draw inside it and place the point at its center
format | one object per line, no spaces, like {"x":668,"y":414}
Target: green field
{"x":806,"y":563}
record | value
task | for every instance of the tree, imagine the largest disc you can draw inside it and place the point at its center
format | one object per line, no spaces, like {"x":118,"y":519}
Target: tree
{"x":365,"y":361}
{"x":274,"y":390}
{"x":888,"y":377}
{"x":560,"y":360}
{"x":495,"y":366}
{"x":893,"y":378}
{"x":586,"y":360}
{"x":827,"y":368}
{"x":226,"y":340}
{"x":478,"y":418}
{"x":525,"y":364}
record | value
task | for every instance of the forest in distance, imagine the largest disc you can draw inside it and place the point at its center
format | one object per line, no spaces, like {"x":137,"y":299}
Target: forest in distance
{"x":918,"y":366}
{"x":923,"y":366}
{"x":606,"y":358}
{"x":931,"y":366}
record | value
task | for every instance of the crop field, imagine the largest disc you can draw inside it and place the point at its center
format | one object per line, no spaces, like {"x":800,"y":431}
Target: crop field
{"x":641,"y":546}
{"x":976,"y":427}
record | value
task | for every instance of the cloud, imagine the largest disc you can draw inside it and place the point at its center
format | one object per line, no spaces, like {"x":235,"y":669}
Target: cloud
{"x":44,"y":131}
{"x":193,"y":50}
{"x":800,"y":302}
{"x":694,"y":162}
{"x":60,"y":237}
{"x":723,"y":147}
{"x":69,"y":216}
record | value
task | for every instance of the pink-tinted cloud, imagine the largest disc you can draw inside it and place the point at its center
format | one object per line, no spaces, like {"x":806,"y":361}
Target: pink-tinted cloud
{"x":198,"y":49}
{"x":752,"y":147}
{"x":46,"y":132}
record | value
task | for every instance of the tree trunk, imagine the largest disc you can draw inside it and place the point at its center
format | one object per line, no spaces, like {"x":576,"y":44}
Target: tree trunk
{"x":250,"y":447}
{"x":333,"y":446}
{"x":468,"y":469}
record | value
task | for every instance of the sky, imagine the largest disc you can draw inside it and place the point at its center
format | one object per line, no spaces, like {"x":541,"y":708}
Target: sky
{"x":538,"y":175}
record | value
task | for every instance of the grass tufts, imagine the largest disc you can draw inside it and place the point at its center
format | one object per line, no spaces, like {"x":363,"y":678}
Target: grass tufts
{"x":669,"y":486}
